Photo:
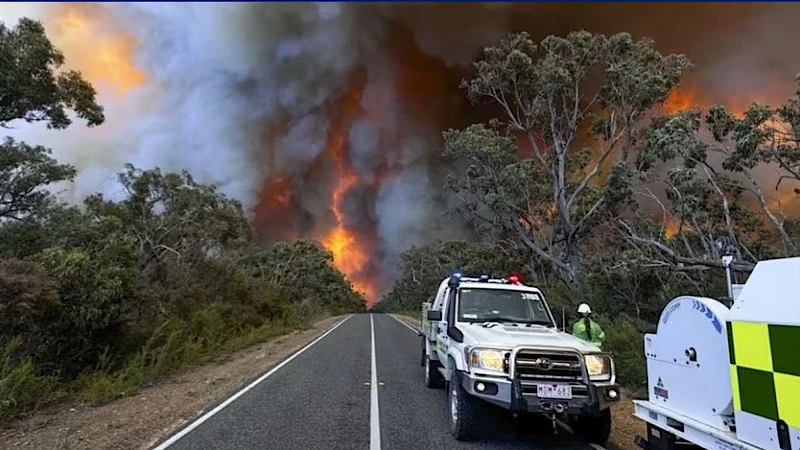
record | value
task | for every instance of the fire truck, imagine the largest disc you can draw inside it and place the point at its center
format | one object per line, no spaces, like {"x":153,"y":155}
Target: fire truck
{"x":726,"y":374}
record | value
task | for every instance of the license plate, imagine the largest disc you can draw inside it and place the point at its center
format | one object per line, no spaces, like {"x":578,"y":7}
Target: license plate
{"x":554,"y":391}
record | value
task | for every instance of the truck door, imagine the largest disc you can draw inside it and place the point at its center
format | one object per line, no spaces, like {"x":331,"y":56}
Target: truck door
{"x":442,"y":339}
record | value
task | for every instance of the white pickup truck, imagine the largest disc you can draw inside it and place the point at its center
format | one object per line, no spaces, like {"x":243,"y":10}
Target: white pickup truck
{"x":494,"y":341}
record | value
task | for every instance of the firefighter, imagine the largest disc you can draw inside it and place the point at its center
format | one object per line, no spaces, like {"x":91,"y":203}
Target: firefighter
{"x":586,"y":328}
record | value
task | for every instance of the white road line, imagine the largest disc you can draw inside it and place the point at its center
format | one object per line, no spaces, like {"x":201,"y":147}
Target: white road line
{"x":230,"y":400}
{"x":374,"y":413}
{"x":402,"y":322}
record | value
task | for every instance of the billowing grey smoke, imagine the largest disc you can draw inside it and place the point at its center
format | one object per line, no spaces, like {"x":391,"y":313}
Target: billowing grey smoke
{"x":226,"y":73}
{"x":238,"y":92}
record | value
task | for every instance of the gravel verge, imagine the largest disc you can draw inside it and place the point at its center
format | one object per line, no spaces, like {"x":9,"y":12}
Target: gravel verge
{"x":139,"y":421}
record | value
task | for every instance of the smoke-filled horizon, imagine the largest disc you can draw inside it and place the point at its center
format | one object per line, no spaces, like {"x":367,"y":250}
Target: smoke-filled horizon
{"x":325,"y":120}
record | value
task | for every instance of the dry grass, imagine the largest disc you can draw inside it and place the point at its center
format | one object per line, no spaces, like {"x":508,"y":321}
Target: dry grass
{"x":625,"y":427}
{"x":139,"y":421}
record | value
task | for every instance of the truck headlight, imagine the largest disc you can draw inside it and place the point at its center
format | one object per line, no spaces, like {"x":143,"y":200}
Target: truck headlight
{"x":487,"y":359}
{"x":598,"y":367}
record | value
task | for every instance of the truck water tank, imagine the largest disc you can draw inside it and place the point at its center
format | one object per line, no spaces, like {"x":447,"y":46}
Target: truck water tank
{"x":687,"y":361}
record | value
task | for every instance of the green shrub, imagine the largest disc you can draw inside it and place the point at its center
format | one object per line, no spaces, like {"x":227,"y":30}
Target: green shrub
{"x":100,"y":387}
{"x":175,"y":345}
{"x":625,"y":339}
{"x":21,"y":389}
{"x":256,"y":335}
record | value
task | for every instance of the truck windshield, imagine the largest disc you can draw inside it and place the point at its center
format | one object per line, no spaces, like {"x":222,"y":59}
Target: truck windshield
{"x":497,"y":305}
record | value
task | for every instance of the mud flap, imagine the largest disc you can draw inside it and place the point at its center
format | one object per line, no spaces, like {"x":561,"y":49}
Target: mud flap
{"x":657,"y":439}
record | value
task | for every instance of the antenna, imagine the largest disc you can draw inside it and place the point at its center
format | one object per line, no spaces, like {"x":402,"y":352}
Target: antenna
{"x":563,"y":320}
{"x":726,"y":247}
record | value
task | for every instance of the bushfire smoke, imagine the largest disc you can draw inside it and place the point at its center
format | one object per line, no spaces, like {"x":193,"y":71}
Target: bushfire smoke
{"x":325,"y":119}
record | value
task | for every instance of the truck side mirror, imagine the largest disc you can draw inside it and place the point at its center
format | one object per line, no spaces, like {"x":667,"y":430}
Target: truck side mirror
{"x":434,"y":315}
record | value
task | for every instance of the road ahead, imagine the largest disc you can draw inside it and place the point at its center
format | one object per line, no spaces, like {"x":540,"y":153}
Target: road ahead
{"x":326,"y":397}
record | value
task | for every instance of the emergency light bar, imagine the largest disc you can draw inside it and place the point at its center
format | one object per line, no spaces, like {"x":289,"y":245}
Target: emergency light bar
{"x":456,"y":278}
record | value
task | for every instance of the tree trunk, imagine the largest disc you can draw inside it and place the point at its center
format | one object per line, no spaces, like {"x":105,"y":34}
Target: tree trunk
{"x":573,"y":258}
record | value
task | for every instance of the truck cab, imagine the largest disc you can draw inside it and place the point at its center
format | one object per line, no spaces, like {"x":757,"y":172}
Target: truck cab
{"x":494,"y":341}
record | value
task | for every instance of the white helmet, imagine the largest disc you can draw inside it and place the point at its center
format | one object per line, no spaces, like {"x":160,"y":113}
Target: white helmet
{"x":584,"y":309}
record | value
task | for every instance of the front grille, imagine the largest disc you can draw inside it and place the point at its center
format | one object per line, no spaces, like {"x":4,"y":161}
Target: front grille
{"x":532,"y":367}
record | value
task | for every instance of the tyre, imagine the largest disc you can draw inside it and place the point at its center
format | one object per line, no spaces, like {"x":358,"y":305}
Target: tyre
{"x":433,"y":379}
{"x":464,"y":411}
{"x":596,"y":428}
{"x":424,"y":353}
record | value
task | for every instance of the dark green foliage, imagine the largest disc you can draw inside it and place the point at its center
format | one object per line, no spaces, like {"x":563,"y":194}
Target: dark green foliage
{"x":27,"y":293}
{"x":576,"y":104}
{"x":21,"y":388}
{"x":423,"y":268}
{"x":625,"y":340}
{"x":303,"y":269}
{"x":24,"y":173}
{"x":32,"y":88}
{"x":120,"y":293}
{"x":715,"y":185}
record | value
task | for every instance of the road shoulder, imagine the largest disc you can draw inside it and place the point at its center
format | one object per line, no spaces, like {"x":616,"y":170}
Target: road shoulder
{"x":625,"y":426}
{"x":140,"y":421}
{"x":414,"y":322}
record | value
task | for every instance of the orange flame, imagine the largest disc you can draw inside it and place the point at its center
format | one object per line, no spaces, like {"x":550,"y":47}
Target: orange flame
{"x":681,"y":99}
{"x":279,"y":193}
{"x":349,"y":254}
{"x":273,"y":212}
{"x":104,"y":55}
{"x":787,"y":200}
{"x":670,"y":227}
{"x":684,"y":98}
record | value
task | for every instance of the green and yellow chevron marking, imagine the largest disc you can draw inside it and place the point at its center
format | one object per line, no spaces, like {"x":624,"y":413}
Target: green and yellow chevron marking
{"x":765,"y":370}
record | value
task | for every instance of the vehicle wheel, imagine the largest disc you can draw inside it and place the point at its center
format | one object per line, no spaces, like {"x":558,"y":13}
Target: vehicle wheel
{"x":464,"y":412}
{"x":424,"y":353}
{"x":433,"y":379}
{"x":596,"y":428}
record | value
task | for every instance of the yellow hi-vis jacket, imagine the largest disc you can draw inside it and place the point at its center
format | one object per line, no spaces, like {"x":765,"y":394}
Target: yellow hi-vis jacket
{"x":595,"y":334}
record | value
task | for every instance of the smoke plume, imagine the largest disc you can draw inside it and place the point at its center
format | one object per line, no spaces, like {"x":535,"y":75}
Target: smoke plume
{"x":325,"y":119}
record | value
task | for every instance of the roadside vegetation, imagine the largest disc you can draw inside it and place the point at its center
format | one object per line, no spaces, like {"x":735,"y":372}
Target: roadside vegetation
{"x":99,"y":299}
{"x":584,"y":185}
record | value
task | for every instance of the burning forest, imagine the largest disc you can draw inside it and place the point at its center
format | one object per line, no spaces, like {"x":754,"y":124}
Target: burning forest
{"x":325,"y":120}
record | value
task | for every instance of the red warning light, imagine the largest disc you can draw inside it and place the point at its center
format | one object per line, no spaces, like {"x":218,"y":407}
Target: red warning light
{"x":514,"y":278}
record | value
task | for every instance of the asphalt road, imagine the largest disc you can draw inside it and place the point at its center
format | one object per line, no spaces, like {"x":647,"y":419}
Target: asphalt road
{"x":324,"y":397}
